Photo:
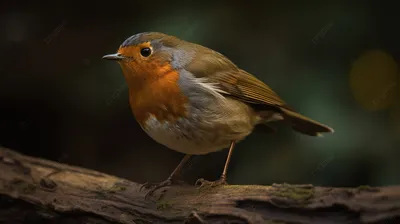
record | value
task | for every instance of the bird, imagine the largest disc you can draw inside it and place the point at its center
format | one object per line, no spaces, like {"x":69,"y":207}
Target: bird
{"x":196,"y":101}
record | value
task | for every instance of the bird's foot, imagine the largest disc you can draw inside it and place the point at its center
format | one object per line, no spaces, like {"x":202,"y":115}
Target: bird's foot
{"x":153,"y":187}
{"x":202,"y":183}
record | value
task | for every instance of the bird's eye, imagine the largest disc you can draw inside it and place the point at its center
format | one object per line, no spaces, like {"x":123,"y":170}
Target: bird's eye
{"x":145,"y":52}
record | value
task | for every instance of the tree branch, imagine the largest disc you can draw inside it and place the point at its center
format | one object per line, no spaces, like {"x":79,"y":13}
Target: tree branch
{"x":34,"y":190}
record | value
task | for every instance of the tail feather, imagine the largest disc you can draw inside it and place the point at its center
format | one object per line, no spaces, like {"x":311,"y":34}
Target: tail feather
{"x":304,"y":124}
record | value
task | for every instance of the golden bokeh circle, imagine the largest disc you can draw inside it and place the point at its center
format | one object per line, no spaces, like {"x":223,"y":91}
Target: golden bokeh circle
{"x":373,"y":80}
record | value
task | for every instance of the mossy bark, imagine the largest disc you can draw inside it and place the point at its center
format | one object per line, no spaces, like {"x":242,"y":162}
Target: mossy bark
{"x":34,"y":190}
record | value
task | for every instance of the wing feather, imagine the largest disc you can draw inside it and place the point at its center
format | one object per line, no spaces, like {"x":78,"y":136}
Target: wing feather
{"x":243,"y":86}
{"x":232,"y":80}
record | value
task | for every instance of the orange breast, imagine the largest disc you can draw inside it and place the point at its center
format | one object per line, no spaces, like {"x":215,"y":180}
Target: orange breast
{"x":153,"y":86}
{"x":160,"y":98}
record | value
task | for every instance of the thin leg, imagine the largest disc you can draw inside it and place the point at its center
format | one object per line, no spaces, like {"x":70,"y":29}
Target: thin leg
{"x":228,"y":159}
{"x":222,"y":180}
{"x":169,"y":181}
{"x":178,"y":169}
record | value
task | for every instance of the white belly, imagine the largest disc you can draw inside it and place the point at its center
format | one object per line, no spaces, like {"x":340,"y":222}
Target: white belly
{"x":204,"y":131}
{"x":176,"y":137}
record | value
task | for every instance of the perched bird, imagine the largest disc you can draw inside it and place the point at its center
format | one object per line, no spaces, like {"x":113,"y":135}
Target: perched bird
{"x":194,"y":100}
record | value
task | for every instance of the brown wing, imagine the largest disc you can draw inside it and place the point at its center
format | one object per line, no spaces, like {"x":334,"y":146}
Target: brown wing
{"x":243,"y":86}
{"x":236,"y":82}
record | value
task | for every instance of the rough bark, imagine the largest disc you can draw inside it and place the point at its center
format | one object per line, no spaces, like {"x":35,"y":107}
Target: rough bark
{"x":34,"y":190}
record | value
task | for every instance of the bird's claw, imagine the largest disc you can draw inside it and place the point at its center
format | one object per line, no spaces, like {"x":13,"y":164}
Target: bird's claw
{"x":202,"y":183}
{"x":147,"y":185}
{"x":156,"y":186}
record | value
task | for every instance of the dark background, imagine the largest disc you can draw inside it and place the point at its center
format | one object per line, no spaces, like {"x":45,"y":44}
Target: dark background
{"x":335,"y":62}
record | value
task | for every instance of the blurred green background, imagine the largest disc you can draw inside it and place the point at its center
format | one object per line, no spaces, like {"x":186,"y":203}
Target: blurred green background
{"x":333,"y":61}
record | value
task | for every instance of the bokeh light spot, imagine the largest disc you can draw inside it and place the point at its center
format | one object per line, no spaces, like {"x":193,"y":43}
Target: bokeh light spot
{"x":373,"y":80}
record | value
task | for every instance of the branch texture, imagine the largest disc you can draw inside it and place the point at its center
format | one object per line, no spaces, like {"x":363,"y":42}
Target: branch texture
{"x":34,"y":190}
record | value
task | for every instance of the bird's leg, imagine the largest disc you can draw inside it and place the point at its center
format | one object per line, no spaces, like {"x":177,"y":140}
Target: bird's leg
{"x":169,"y":181}
{"x":222,"y":180}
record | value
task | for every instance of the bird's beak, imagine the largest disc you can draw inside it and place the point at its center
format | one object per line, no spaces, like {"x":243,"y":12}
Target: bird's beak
{"x":115,"y":57}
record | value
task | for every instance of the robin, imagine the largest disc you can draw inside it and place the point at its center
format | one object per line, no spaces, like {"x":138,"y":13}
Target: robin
{"x":196,"y":101}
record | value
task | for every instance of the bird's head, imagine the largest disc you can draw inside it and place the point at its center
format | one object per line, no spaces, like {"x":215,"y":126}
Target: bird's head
{"x":149,"y":56}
